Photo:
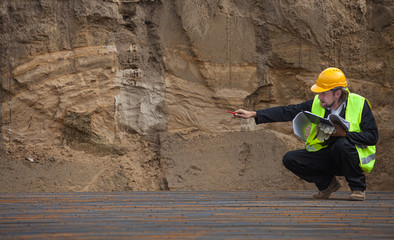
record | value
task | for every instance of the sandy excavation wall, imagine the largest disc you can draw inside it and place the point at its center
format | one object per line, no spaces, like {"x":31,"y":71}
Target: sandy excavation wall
{"x":136,"y":90}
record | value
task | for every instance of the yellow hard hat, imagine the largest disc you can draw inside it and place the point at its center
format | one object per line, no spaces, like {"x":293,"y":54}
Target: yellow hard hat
{"x":328,"y":79}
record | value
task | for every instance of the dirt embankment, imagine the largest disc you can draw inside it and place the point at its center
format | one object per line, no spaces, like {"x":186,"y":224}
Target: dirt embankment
{"x":121,"y":95}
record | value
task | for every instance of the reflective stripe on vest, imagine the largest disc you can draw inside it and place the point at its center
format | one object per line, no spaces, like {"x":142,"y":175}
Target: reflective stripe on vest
{"x":368,"y":159}
{"x":354,"y":108}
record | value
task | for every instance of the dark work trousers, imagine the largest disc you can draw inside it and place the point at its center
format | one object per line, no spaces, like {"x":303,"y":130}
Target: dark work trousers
{"x":337,"y":159}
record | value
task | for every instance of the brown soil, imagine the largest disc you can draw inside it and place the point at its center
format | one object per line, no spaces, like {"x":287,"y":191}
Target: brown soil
{"x":62,"y":169}
{"x":121,"y":95}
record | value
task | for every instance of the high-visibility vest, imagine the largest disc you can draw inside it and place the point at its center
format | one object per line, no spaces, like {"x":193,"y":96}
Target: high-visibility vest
{"x":354,"y":109}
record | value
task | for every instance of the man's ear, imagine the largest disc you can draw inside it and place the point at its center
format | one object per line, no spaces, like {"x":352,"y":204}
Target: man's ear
{"x":338,"y":93}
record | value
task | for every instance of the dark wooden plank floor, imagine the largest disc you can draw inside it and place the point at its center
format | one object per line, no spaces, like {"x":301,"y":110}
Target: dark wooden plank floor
{"x":195,"y":215}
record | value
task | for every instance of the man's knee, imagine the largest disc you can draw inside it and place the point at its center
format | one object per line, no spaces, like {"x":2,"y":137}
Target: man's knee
{"x":288,"y":159}
{"x":345,"y":148}
{"x":343,"y":144}
{"x":345,"y":151}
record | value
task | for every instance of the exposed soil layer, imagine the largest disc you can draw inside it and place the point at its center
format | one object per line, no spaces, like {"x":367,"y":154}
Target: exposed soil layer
{"x":121,"y":95}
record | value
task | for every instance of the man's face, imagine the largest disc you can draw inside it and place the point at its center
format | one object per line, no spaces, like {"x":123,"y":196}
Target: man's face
{"x":327,"y":99}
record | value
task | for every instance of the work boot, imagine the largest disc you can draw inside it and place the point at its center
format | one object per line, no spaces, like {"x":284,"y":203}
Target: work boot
{"x":357,"y":195}
{"x":334,"y":186}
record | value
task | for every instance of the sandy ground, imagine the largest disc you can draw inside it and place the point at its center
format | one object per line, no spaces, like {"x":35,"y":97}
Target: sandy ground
{"x":62,"y":169}
{"x":225,"y":161}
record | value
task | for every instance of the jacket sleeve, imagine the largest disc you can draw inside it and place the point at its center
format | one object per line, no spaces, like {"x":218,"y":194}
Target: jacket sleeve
{"x":369,"y":134}
{"x":282,"y":113}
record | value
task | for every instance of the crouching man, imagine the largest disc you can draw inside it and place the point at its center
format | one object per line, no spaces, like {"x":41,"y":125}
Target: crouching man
{"x":343,"y":153}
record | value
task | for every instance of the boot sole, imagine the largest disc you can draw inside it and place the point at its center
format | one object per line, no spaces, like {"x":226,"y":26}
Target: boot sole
{"x":356,"y":198}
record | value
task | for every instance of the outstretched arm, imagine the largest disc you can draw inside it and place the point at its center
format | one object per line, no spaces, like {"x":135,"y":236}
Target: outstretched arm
{"x":275,"y":114}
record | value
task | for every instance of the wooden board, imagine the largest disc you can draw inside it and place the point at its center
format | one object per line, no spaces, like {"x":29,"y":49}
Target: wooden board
{"x":195,"y":215}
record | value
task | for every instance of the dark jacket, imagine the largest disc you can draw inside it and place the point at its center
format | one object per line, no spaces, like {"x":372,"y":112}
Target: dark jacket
{"x":368,"y":136}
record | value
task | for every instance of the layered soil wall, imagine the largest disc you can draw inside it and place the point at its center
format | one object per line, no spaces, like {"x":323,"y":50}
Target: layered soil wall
{"x":118,"y":95}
